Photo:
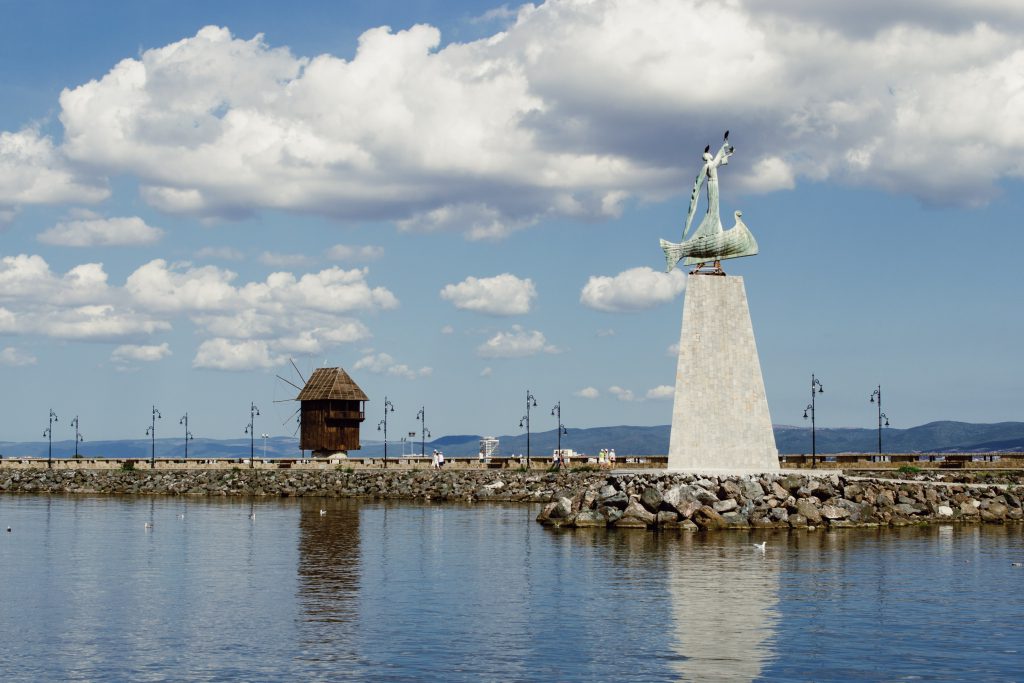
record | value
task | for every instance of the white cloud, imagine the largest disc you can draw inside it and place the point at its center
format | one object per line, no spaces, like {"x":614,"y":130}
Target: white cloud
{"x":384,"y":364}
{"x":632,"y":290}
{"x":16,"y":357}
{"x":673,"y":350}
{"x":588,"y":392}
{"x":492,"y":135}
{"x":622,"y":394}
{"x":34,"y":171}
{"x":222,"y":253}
{"x":224,"y":354}
{"x":661,"y":392}
{"x":102,"y":232}
{"x":516,"y":343}
{"x":447,"y":329}
{"x":145,"y":353}
{"x":503,"y":294}
{"x":355,"y":254}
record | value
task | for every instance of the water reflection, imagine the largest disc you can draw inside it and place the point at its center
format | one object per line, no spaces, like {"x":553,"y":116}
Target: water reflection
{"x":329,"y":560}
{"x":724,"y":596}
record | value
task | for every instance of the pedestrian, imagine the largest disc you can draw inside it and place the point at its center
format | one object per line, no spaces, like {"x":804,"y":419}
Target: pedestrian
{"x":440,"y":459}
{"x":433,"y":459}
{"x":611,"y":459}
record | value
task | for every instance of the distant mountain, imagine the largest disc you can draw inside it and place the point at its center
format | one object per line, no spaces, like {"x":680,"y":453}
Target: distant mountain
{"x":934,"y":437}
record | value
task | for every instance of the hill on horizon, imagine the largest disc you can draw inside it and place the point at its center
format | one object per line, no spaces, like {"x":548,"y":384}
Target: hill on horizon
{"x":934,"y":437}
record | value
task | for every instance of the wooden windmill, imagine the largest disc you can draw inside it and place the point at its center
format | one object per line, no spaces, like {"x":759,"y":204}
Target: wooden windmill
{"x":331,"y":407}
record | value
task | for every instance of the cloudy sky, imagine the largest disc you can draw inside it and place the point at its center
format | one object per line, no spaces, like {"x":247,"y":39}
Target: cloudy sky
{"x":460,"y":201}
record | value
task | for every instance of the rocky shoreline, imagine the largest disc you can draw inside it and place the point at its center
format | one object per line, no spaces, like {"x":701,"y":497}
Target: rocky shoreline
{"x":695,"y":502}
{"x":585,"y":498}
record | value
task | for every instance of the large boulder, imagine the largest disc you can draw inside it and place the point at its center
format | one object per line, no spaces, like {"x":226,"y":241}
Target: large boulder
{"x":629,"y":523}
{"x":638,"y":511}
{"x":994,"y":512}
{"x":651,"y":499}
{"x":792,"y":482}
{"x":832,"y":512}
{"x":809,"y":510}
{"x":751,"y":489}
{"x":590,"y":518}
{"x":706,"y":518}
{"x":729,"y":489}
{"x":619,"y":500}
{"x":797,"y":521}
{"x":727,"y":505}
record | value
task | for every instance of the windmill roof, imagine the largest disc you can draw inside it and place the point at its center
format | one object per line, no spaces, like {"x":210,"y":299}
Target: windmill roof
{"x":331,"y":384}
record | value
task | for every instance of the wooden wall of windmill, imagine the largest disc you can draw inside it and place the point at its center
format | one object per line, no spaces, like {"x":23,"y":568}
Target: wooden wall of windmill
{"x":331,"y":409}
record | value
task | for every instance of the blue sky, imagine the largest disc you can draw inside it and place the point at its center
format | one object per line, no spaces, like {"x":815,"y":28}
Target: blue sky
{"x":468,"y":204}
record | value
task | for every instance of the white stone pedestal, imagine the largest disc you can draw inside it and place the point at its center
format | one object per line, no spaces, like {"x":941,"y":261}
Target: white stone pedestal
{"x":720,"y":418}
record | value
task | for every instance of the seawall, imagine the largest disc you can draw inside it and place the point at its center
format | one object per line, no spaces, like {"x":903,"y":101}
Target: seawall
{"x":588,"y":499}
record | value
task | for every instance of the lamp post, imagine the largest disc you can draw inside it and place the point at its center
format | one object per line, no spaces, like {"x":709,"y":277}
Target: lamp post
{"x":422,"y":417}
{"x":388,"y":407}
{"x":188,"y":434}
{"x":78,"y":436}
{"x":815,"y":382}
{"x":878,"y":392}
{"x":151,"y":432}
{"x":48,"y":433}
{"x":557,"y":411}
{"x":264,"y":436}
{"x":250,"y":429}
{"x":531,"y":402}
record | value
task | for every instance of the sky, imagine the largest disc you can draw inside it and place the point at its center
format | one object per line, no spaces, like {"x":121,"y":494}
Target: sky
{"x":460,"y":202}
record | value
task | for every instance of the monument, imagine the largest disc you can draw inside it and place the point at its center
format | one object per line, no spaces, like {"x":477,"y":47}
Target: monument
{"x":720,"y":418}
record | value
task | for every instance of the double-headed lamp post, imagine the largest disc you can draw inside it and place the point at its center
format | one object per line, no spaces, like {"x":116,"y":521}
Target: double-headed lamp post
{"x":557,"y":412}
{"x":264,"y":436}
{"x":424,"y":433}
{"x":881,"y":416}
{"x":48,"y":433}
{"x":78,"y":436}
{"x":388,"y":408}
{"x":188,"y":434}
{"x":531,"y":402}
{"x":151,"y":433}
{"x":250,"y":429}
{"x":816,"y":388}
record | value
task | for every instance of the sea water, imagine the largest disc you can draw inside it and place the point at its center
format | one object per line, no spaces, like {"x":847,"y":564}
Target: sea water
{"x":164,"y":588}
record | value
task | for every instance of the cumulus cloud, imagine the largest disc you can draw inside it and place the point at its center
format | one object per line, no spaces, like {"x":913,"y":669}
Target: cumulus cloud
{"x":384,"y":364}
{"x":225,"y":354}
{"x":622,"y":394}
{"x":145,"y":353}
{"x":516,"y":343}
{"x":503,"y":294}
{"x":489,"y":136}
{"x":354,"y":253}
{"x":632,"y":290}
{"x":588,"y":392}
{"x":661,"y":392}
{"x":16,"y":357}
{"x":102,"y":232}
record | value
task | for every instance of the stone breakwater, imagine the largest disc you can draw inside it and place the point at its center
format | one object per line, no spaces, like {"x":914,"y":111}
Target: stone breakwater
{"x":583,"y":499}
{"x":694,"y":502}
{"x":454,"y":485}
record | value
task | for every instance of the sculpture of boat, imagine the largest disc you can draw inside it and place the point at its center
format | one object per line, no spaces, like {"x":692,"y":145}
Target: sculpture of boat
{"x":735,"y":242}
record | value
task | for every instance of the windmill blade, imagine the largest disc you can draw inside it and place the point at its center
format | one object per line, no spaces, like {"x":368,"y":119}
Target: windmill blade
{"x":285,"y":400}
{"x":296,"y":429}
{"x":297,"y":371}
{"x":291,"y":416}
{"x":290,"y":382}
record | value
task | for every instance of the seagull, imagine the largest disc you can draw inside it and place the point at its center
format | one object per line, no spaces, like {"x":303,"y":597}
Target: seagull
{"x":1012,"y":564}
{"x":761,"y":546}
{"x":181,"y":516}
{"x":252,"y":515}
{"x":147,"y":525}
{"x":8,"y":529}
{"x":322,"y":512}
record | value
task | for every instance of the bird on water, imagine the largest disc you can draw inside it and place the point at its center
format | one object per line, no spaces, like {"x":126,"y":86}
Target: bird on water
{"x":322,"y":512}
{"x":761,"y":546}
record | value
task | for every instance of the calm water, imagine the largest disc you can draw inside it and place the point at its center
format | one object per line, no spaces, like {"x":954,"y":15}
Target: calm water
{"x":392,"y":591}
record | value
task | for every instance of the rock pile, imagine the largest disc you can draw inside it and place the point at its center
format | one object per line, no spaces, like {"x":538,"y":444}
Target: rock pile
{"x":692,"y":502}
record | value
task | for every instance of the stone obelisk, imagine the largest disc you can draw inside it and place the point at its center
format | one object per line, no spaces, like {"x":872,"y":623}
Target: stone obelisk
{"x":720,"y":418}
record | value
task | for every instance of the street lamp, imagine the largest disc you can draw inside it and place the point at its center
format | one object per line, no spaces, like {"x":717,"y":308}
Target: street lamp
{"x":531,"y":402}
{"x":250,"y":429}
{"x":815,"y":382}
{"x":264,"y":436}
{"x":557,"y":411}
{"x":878,"y":392}
{"x":48,"y":432}
{"x":422,"y":417}
{"x":151,"y":432}
{"x":78,"y":436}
{"x":188,"y":434}
{"x":388,"y":407}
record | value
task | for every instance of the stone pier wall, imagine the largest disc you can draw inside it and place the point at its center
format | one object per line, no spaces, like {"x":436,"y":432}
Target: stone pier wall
{"x":589,"y":499}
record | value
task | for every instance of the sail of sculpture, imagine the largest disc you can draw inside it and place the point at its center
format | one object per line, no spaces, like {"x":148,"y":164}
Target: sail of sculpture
{"x":710,"y":242}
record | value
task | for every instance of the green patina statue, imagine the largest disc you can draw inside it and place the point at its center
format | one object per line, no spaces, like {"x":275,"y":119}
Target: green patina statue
{"x":710,"y":242}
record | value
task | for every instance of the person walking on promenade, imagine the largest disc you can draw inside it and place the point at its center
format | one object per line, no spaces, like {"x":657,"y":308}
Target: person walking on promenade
{"x":440,"y":459}
{"x":611,"y":459}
